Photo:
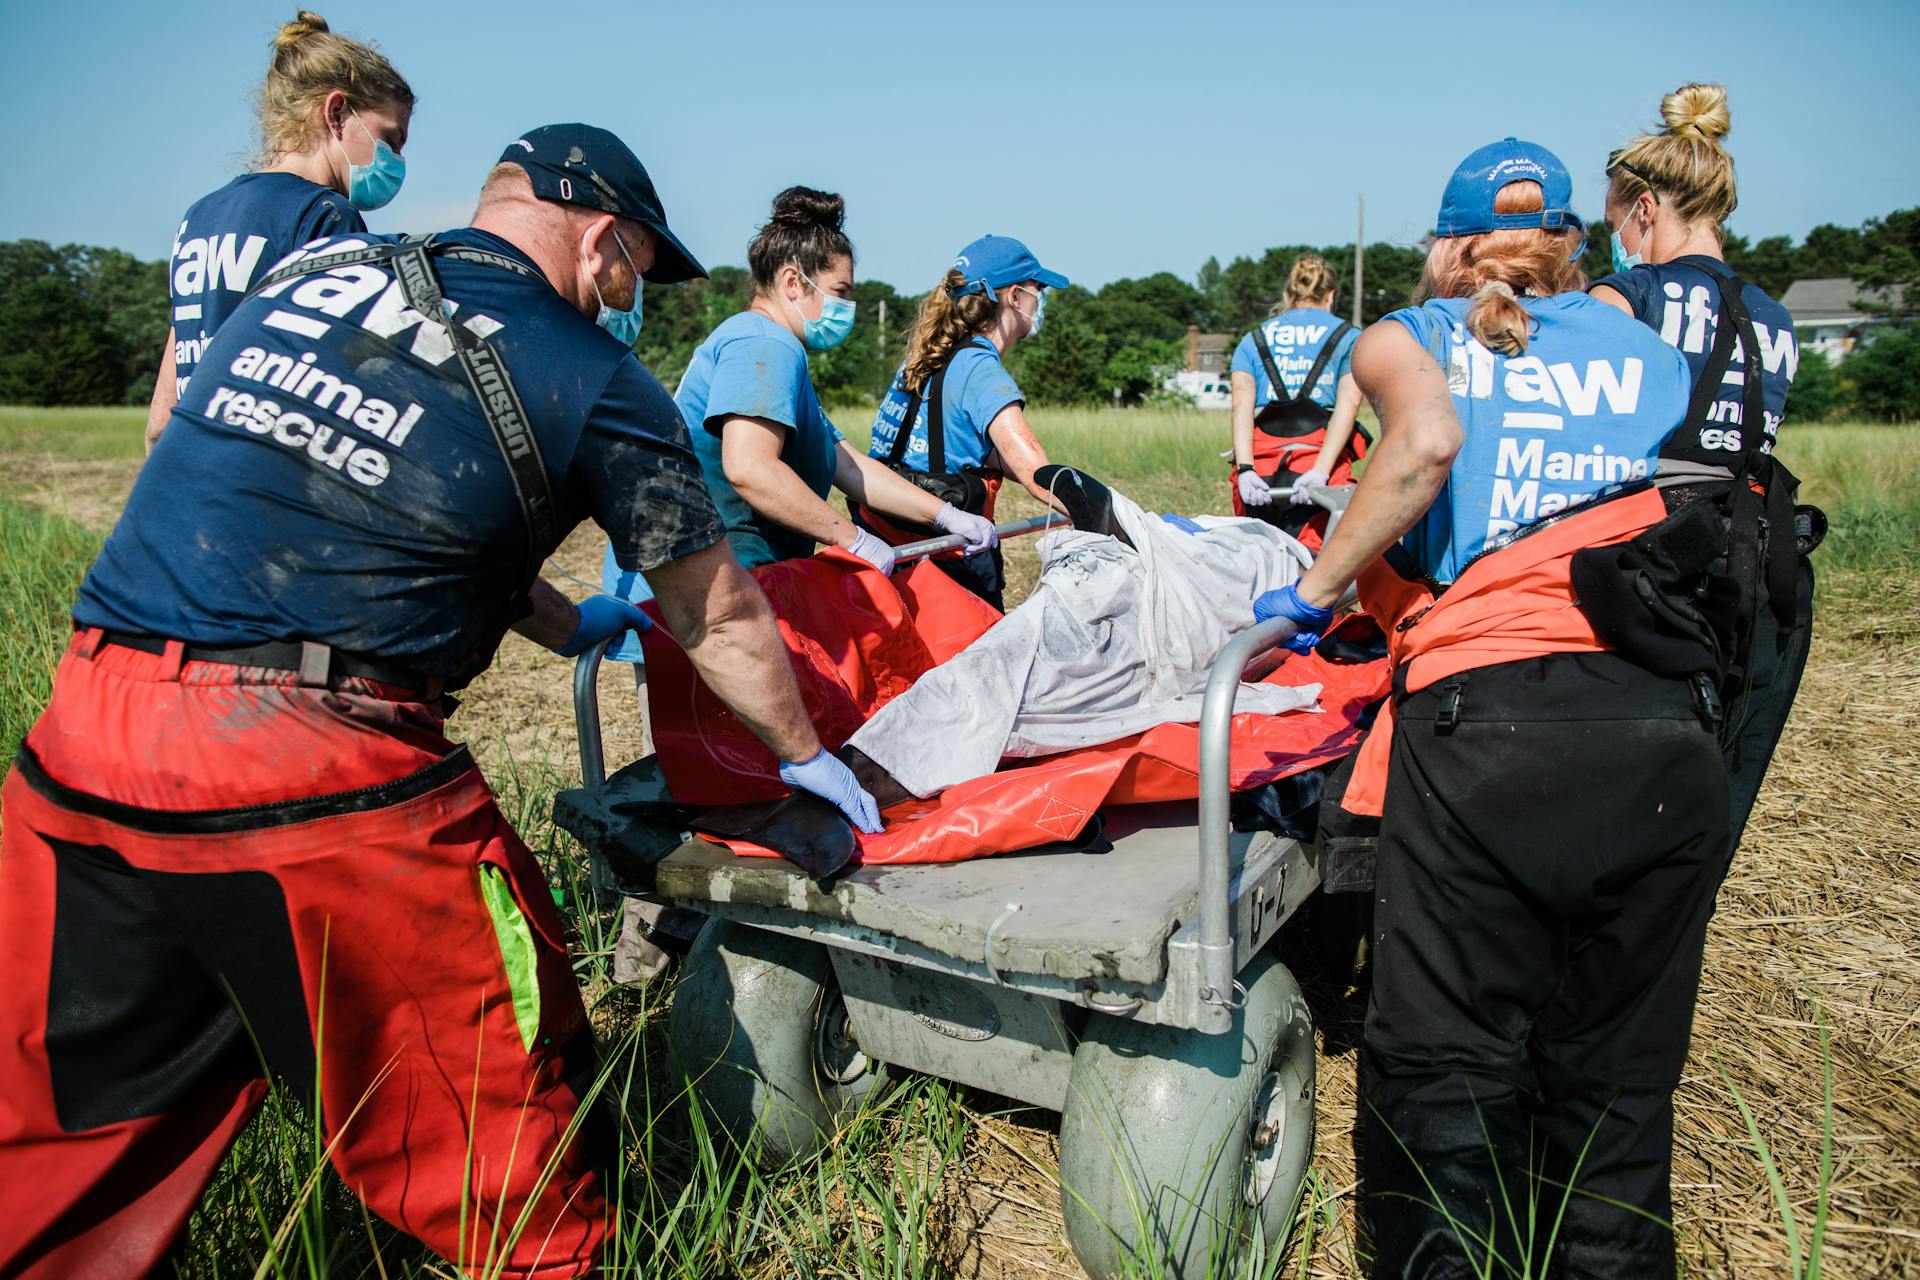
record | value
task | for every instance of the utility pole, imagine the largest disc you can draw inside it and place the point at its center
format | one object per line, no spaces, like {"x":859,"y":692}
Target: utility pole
{"x":883,"y":328}
{"x":1359,"y":259}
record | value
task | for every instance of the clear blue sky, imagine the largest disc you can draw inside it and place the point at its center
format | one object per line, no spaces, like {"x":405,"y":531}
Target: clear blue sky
{"x":1118,"y":139}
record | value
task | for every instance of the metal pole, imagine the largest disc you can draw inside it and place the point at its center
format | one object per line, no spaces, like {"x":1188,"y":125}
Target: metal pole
{"x":1216,"y":776}
{"x":1359,"y":260}
{"x":954,"y":541}
{"x":586,"y":714}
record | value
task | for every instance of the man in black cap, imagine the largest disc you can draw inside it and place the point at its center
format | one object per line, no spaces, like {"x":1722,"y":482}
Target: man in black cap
{"x":238,"y":843}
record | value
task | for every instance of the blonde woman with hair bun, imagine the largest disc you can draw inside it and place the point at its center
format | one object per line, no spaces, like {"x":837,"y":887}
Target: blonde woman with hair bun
{"x":333,"y":117}
{"x":1286,"y":433}
{"x":1669,"y":194}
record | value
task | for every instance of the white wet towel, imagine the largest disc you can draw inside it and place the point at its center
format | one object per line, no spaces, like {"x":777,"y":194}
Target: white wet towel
{"x":1113,"y":641}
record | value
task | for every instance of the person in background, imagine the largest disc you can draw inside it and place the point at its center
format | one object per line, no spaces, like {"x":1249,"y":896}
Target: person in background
{"x":1553,"y":815}
{"x":993,"y":296}
{"x":1669,"y":195}
{"x":1277,"y":428}
{"x":333,"y":124}
{"x":770,"y":456}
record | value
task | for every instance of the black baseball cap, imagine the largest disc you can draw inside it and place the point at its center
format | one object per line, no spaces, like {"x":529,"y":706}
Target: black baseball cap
{"x":582,"y":165}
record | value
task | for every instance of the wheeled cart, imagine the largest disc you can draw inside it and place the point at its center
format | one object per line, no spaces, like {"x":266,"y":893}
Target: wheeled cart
{"x":1127,"y":983}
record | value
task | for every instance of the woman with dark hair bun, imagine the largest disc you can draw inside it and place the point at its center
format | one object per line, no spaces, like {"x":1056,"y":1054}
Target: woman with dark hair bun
{"x":333,"y":122}
{"x":767,"y":450}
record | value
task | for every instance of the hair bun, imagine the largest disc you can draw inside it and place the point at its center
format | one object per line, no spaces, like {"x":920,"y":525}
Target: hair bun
{"x":306,"y":23}
{"x":805,"y":207}
{"x":1698,"y":109}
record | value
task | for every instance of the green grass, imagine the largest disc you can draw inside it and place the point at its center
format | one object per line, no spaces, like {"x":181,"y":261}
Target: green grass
{"x":42,"y":559}
{"x":117,"y":431}
{"x":690,"y":1206}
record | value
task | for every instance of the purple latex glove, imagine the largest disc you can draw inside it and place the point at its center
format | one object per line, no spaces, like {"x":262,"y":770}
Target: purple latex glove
{"x":977,"y":530}
{"x":833,"y":782}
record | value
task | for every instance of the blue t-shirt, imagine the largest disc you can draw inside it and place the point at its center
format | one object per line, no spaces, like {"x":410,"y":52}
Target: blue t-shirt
{"x":753,"y":367}
{"x":977,"y":388}
{"x":329,"y":476}
{"x":1585,"y":409}
{"x":1295,"y":338}
{"x":230,"y":238}
{"x":1681,"y":301}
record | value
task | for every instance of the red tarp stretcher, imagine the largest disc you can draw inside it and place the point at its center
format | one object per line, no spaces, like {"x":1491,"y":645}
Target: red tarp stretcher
{"x":858,"y":638}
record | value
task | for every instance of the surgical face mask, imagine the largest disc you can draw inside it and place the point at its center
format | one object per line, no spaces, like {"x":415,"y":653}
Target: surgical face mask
{"x":1624,"y":261}
{"x":373,"y":185}
{"x":1038,"y":314}
{"x":624,"y":325}
{"x":834,"y":324}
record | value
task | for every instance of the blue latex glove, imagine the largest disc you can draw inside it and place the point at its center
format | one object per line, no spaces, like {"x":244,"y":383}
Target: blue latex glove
{"x":1305,"y":484}
{"x":832,"y":781}
{"x":602,"y":618}
{"x":1286,"y":603}
{"x":977,"y":530}
{"x":1184,"y":524}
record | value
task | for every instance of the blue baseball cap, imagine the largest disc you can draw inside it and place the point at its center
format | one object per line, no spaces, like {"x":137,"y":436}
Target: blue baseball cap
{"x":994,"y":262}
{"x":1466,"y":208}
{"x":580,"y":164}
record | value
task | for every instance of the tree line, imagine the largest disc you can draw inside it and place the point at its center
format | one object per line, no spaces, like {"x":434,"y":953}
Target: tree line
{"x":84,"y":325}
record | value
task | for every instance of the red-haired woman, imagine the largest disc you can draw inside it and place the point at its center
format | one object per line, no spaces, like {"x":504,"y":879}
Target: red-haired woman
{"x":1553,"y":816}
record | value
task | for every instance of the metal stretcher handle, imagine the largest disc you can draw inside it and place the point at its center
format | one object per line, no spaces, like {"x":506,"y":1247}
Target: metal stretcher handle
{"x":954,"y":541}
{"x":586,"y":713}
{"x":1216,"y":776}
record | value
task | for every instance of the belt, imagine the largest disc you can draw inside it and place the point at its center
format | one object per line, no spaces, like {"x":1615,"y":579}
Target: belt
{"x":317,"y":663}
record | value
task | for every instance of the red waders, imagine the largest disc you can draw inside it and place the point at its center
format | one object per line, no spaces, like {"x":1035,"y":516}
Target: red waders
{"x":199,"y":859}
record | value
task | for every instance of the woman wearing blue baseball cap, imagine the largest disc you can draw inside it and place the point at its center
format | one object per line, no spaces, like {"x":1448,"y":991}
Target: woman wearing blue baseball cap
{"x":333,"y":121}
{"x":1668,"y":194}
{"x":1551,"y":800}
{"x":993,"y":296}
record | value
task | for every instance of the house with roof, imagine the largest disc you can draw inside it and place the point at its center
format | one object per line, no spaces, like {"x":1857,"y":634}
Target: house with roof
{"x":1204,"y":380}
{"x":1828,"y":315}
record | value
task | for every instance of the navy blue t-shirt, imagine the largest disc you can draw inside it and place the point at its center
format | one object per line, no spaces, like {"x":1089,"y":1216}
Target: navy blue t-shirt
{"x":1681,"y":301}
{"x":230,"y":238}
{"x":329,"y":477}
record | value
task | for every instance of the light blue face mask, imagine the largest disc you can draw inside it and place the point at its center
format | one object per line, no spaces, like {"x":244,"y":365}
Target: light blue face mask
{"x":375,"y":184}
{"x":1039,"y":311}
{"x":1622,"y":260}
{"x":624,"y":325}
{"x":835,"y":322}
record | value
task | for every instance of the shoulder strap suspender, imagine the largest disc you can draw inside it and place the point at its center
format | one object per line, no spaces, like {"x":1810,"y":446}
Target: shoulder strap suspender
{"x":486,"y":374}
{"x":936,"y":422}
{"x":1327,"y":349}
{"x":1280,"y":391}
{"x":1266,"y":361}
{"x":1735,"y":323}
